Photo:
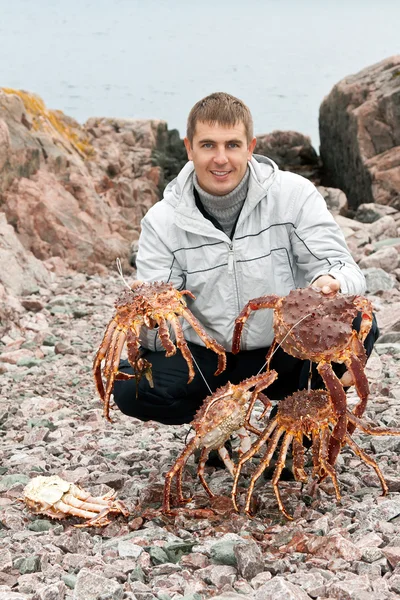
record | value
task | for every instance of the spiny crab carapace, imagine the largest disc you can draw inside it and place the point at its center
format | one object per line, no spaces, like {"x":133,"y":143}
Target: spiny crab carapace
{"x":311,"y":325}
{"x":225,"y":412}
{"x":310,"y":414}
{"x":149,"y":305}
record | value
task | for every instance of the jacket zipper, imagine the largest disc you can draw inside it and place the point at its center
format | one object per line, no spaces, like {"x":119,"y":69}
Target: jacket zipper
{"x":232,"y":272}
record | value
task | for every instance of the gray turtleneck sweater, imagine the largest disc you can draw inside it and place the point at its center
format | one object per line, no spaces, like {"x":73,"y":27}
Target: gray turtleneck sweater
{"x":225,"y":209}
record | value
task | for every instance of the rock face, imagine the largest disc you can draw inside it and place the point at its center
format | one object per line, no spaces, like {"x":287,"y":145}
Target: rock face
{"x":359,"y":126}
{"x":20,"y":270}
{"x":292,"y":151}
{"x":76,"y":192}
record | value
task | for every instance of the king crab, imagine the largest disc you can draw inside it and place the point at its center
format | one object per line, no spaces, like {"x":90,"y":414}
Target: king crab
{"x":311,"y":414}
{"x":57,"y":498}
{"x":314,"y":326}
{"x":226,"y":411}
{"x":147,"y":304}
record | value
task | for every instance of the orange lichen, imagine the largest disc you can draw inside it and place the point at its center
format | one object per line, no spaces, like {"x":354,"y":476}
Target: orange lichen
{"x":53,"y":122}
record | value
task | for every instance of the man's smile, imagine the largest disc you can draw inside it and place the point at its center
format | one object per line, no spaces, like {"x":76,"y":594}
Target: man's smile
{"x":220,"y":173}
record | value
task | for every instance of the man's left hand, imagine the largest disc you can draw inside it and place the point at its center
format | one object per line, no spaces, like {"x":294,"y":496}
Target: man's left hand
{"x":327,"y":284}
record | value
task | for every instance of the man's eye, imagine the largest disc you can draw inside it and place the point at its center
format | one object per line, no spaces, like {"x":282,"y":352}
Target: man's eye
{"x":207,"y":145}
{"x":233,"y":145}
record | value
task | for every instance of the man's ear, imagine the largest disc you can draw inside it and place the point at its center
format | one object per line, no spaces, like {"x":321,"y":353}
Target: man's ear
{"x":251,"y":147}
{"x":188,"y":147}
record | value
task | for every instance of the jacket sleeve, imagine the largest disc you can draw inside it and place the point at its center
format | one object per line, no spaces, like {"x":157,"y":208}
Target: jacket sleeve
{"x":156,"y":262}
{"x":319,"y":246}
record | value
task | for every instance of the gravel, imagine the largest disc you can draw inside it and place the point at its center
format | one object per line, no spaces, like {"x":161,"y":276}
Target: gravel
{"x":51,"y":423}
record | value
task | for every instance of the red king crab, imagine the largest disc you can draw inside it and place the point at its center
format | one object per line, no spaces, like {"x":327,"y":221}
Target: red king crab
{"x":313,"y":326}
{"x":57,"y":498}
{"x":305,"y":413}
{"x":147,"y":304}
{"x":226,"y":411}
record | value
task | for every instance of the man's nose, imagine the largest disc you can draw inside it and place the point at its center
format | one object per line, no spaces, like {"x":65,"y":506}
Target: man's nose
{"x":220,"y":156}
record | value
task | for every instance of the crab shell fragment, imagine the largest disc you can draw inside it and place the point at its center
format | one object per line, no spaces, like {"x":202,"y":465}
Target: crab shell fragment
{"x":57,"y":498}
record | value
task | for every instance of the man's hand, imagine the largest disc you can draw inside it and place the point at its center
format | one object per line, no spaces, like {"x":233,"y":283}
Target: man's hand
{"x":327,"y":284}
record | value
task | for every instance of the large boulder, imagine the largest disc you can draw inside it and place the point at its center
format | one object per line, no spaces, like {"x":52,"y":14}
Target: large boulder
{"x":76,"y":192}
{"x":359,"y":125}
{"x":292,"y":151}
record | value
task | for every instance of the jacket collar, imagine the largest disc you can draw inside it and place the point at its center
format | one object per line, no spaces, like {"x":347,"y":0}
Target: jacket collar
{"x":179,"y":193}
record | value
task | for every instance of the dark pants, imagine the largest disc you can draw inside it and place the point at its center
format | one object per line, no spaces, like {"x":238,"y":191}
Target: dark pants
{"x":173,"y":402}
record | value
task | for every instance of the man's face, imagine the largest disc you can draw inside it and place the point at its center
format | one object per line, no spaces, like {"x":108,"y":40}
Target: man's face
{"x":220,"y":156}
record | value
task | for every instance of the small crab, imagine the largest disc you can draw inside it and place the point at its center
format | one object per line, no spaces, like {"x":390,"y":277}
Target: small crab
{"x":57,"y":498}
{"x":311,"y":414}
{"x":314,"y":326}
{"x":223,"y":413}
{"x":150,"y":305}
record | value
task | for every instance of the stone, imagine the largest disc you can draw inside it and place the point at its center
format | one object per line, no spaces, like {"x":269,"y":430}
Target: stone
{"x":55,"y":591}
{"x":158,"y":555}
{"x":312,"y":583}
{"x":335,"y":199}
{"x":20,"y":270}
{"x":377,"y":279}
{"x":385,"y":258}
{"x":360,"y":135}
{"x":222,"y":553}
{"x":383,"y":228}
{"x":370,"y":212}
{"x":394,"y":583}
{"x":30,"y":564}
{"x":249,"y":560}
{"x":334,"y":546}
{"x":6,"y":563}
{"x":218,"y":575}
{"x":14,"y":596}
{"x":128,"y":549}
{"x":292,"y":151}
{"x":392,"y":553}
{"x":260,"y":579}
{"x":89,"y":585}
{"x":280,"y":589}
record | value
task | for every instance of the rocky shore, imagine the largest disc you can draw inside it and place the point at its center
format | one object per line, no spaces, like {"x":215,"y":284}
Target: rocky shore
{"x":71,"y":199}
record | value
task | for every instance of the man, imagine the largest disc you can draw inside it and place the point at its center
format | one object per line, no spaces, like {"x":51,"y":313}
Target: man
{"x":231,"y":227}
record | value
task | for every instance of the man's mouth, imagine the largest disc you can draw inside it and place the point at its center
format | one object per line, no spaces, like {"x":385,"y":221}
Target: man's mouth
{"x":220,"y":174}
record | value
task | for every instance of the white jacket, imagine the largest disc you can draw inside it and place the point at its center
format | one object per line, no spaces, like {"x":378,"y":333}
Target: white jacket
{"x":284,"y":239}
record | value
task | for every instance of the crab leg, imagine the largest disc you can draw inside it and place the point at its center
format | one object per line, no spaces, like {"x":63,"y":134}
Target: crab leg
{"x":255,"y":304}
{"x":278,"y":470}
{"x":248,"y":455}
{"x":207,"y":339}
{"x":325,"y":459}
{"x":338,"y":395}
{"x":256,"y":394}
{"x":100,"y":354}
{"x":364,"y":306}
{"x":165,"y":338}
{"x":372,"y":430}
{"x":70,"y":509}
{"x":112,"y":369}
{"x":245,"y":441}
{"x":370,"y":461}
{"x":178,"y":466}
{"x":270,"y":354}
{"x":355,"y":367}
{"x":179,"y":492}
{"x":182,"y":345}
{"x":200,"y":471}
{"x":298,"y":461}
{"x":272,"y":444}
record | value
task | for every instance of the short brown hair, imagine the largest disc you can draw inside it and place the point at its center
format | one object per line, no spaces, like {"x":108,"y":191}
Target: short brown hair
{"x":221,"y":108}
